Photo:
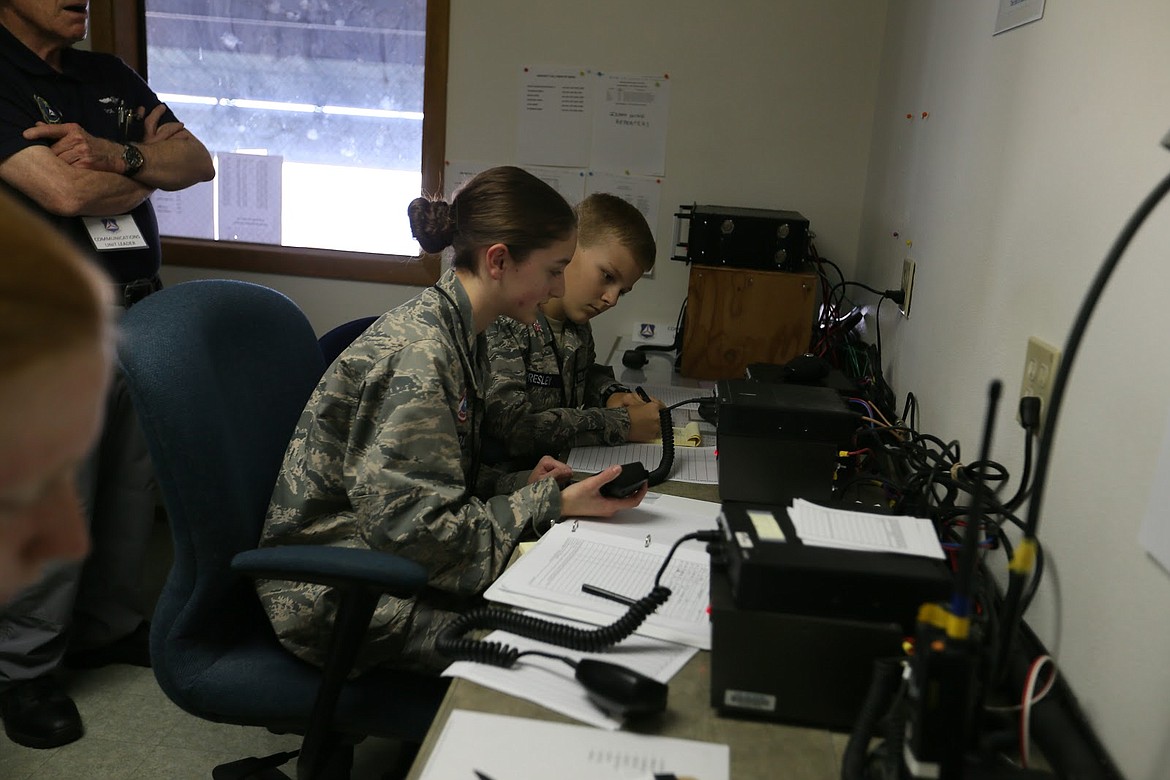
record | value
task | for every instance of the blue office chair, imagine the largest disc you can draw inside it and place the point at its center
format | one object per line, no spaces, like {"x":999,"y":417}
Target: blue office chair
{"x":219,"y":372}
{"x":333,"y":342}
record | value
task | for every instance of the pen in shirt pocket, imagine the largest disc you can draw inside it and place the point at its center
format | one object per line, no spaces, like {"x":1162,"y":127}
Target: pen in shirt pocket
{"x":129,"y":120}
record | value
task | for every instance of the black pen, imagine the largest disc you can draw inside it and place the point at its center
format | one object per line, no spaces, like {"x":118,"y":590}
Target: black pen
{"x":593,"y":590}
{"x":480,"y":775}
{"x":642,"y":394}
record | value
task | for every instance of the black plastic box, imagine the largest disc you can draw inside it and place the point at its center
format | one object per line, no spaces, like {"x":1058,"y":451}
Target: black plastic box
{"x":761,"y":239}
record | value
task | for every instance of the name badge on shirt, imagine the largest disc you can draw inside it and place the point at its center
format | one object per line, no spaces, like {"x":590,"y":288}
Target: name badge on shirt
{"x":110,"y":234}
{"x":537,"y":379}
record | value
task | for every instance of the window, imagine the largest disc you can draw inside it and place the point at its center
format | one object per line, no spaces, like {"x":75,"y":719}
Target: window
{"x":341,"y":103}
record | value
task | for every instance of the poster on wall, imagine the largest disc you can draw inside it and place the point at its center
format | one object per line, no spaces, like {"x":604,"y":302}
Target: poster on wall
{"x":1013,"y":13}
{"x":555,"y":123}
{"x":186,"y":213}
{"x":457,"y":172}
{"x":629,"y":126}
{"x":250,"y":197}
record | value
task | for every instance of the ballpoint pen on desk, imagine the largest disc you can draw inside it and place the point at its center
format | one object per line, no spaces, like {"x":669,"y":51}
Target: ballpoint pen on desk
{"x":480,"y":775}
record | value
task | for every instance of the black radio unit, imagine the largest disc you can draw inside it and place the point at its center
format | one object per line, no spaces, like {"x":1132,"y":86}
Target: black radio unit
{"x":760,"y":239}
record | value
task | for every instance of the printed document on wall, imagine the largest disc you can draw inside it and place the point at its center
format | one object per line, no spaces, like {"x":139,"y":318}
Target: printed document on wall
{"x":555,"y":116}
{"x":187,"y":213}
{"x":629,"y":124}
{"x":569,"y":182}
{"x":250,"y":197}
{"x":644,"y":192}
{"x":457,"y":172}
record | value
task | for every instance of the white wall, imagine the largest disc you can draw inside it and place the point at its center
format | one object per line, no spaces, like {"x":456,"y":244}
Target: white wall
{"x":771,"y":104}
{"x":1038,"y":145}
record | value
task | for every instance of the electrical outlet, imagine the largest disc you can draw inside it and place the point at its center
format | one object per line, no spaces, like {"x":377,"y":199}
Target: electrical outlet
{"x":907,"y":286}
{"x":1041,"y":363}
{"x":656,"y":333}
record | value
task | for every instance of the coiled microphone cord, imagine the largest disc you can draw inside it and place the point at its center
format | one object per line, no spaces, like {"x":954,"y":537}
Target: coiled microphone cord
{"x":452,"y":644}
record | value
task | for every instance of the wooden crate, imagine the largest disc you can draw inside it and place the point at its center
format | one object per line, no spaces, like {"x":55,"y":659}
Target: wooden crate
{"x":737,"y":316}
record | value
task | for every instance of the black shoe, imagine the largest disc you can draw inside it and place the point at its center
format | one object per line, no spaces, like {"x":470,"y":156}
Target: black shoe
{"x":133,"y":649}
{"x":39,"y":714}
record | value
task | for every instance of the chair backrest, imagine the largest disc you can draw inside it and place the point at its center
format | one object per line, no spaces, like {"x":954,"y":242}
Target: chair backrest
{"x":333,"y":342}
{"x":219,"y":372}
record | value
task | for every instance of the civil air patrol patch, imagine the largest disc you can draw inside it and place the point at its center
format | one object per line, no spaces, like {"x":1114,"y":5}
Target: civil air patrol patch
{"x":462,"y":411}
{"x":48,"y":113}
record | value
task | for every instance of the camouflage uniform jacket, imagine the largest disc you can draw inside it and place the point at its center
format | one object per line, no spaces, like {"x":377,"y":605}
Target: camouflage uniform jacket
{"x":543,"y":398}
{"x":381,"y":459}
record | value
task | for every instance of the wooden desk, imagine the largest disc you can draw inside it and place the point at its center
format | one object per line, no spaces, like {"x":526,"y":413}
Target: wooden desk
{"x":758,"y":749}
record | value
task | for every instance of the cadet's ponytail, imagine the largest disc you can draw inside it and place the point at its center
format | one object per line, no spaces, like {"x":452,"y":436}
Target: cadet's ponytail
{"x":505,"y":205}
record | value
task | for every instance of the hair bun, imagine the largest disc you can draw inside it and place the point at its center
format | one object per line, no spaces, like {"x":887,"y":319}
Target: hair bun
{"x":432,"y":222}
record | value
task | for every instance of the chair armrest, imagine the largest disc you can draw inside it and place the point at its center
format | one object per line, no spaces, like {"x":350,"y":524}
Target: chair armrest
{"x":338,"y":567}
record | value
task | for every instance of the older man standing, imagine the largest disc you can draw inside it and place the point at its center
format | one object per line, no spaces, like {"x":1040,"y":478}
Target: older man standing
{"x":85,"y":141}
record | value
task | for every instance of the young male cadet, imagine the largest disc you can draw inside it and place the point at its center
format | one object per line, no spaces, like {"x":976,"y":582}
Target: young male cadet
{"x":547,"y":392}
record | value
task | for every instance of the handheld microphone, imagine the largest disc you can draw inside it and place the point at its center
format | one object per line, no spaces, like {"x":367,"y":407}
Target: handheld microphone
{"x":634,"y":475}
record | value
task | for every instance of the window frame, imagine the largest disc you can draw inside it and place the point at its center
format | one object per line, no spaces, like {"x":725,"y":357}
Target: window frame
{"x":118,"y":27}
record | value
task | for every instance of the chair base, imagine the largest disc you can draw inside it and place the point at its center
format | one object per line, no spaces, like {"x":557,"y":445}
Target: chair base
{"x":337,"y":766}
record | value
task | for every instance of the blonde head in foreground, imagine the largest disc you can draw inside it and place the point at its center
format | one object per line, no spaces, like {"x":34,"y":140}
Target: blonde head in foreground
{"x":56,"y":345}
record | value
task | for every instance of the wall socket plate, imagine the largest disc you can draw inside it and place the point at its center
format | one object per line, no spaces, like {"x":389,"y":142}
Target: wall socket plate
{"x":1041,"y":362}
{"x":907,"y":286}
{"x":660,"y":334}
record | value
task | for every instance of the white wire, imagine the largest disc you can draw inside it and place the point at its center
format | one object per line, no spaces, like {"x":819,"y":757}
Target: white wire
{"x":1028,"y":700}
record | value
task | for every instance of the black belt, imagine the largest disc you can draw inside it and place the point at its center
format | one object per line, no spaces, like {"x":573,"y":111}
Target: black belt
{"x":127,"y":294}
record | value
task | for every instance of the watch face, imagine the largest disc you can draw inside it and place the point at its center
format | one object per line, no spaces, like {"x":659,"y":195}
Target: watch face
{"x":132,"y":156}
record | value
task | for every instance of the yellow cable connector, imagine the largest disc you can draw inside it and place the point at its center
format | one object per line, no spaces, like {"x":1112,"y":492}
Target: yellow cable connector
{"x":940,"y":616}
{"x":1024,"y":557}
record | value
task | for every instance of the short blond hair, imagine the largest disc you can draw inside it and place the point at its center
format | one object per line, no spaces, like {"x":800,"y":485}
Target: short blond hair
{"x":52,"y":298}
{"x":602,"y":215}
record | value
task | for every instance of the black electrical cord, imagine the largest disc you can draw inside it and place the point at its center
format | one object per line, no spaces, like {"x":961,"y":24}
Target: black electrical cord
{"x":1019,"y":574}
{"x":968,"y":559}
{"x":662,"y":471}
{"x":452,"y":644}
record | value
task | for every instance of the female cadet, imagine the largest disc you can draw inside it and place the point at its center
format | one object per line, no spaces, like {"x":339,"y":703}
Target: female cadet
{"x":386,"y":454}
{"x":547,"y":393}
{"x":56,"y":344}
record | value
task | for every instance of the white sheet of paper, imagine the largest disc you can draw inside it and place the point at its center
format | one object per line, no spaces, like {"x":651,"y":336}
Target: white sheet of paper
{"x":250,"y":197}
{"x":548,"y":579}
{"x":691,"y":464}
{"x":629,"y":124}
{"x":824,"y":527}
{"x":551,"y":683}
{"x":503,"y":747}
{"x":643,"y":192}
{"x":456,"y":172}
{"x":555,"y":117}
{"x":569,"y":182}
{"x":661,"y":517}
{"x":188,"y":213}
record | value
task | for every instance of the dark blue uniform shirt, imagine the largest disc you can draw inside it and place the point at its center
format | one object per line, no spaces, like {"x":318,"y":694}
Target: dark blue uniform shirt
{"x":97,"y":91}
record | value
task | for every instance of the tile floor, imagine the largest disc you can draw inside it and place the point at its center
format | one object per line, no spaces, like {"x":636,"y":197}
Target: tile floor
{"x":133,"y":732}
